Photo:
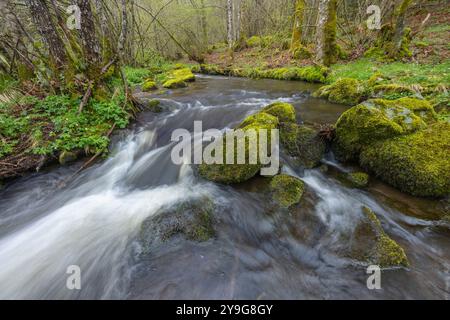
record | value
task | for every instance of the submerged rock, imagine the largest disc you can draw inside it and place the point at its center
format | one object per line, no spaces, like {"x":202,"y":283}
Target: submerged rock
{"x":372,"y":245}
{"x":154,"y":106}
{"x":192,"y":220}
{"x":286,"y":190}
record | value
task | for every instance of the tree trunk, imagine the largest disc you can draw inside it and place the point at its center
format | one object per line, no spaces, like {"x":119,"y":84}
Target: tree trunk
{"x":203,"y":23}
{"x":326,"y":52}
{"x":237,"y":28}
{"x":42,"y":19}
{"x":230,"y":32}
{"x":123,"y":32}
{"x":399,"y":29}
{"x":298,"y":24}
{"x":89,"y":40}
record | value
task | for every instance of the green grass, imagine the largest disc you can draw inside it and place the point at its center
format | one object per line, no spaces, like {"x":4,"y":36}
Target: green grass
{"x":398,"y":72}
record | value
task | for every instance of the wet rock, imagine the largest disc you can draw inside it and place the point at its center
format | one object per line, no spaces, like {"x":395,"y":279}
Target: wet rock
{"x":310,"y":147}
{"x":154,"y":106}
{"x":370,"y":244}
{"x":178,"y":78}
{"x":193,"y":220}
{"x":356,"y":179}
{"x":286,"y":190}
{"x":67,"y":157}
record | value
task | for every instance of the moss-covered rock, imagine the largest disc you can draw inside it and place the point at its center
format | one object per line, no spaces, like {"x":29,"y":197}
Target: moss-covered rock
{"x":417,"y":163}
{"x":192,"y":220}
{"x":376,"y":120}
{"x":154,"y":106}
{"x":392,"y":91}
{"x":372,"y":245}
{"x":285,"y":112}
{"x":149,"y":85}
{"x":177,"y":78}
{"x":286,"y":190}
{"x":358,"y":179}
{"x":237,"y":173}
{"x":346,"y":91}
{"x":310,"y":148}
{"x":67,"y":157}
{"x":301,"y":52}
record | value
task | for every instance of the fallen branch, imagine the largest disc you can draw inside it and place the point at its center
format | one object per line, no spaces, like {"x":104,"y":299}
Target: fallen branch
{"x":86,"y":97}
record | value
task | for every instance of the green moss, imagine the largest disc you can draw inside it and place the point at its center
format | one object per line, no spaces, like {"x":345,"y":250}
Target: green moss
{"x":285,"y":112}
{"x":301,"y":52}
{"x":271,"y":117}
{"x":174,"y":84}
{"x":177,"y":78}
{"x":417,"y":163}
{"x":392,"y":91}
{"x":254,"y":41}
{"x":286,"y":190}
{"x":376,"y":120}
{"x":67,"y":157}
{"x":154,"y":106}
{"x":346,"y":91}
{"x":358,"y":179}
{"x":296,"y":41}
{"x":330,"y":47}
{"x":314,"y":74}
{"x":149,"y":85}
{"x":260,"y":118}
{"x":384,"y":251}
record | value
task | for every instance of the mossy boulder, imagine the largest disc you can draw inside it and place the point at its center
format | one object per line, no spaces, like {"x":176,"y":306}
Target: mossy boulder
{"x":285,"y":112}
{"x":275,"y":116}
{"x":357,"y":179}
{"x":417,"y":163}
{"x":237,"y":173}
{"x":310,"y":148}
{"x":372,"y":245}
{"x":149,"y":85}
{"x":286,"y":190}
{"x":301,"y":52}
{"x":66,"y":157}
{"x":192,"y":220}
{"x":346,"y":91}
{"x":376,"y":120}
{"x":177,"y":78}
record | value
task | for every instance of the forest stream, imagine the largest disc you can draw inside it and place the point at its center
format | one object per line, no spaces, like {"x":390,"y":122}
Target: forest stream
{"x":95,"y":221}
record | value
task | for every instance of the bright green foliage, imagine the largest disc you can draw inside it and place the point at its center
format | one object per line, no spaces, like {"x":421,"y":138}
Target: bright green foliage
{"x":417,"y":163}
{"x":286,"y":190}
{"x":65,"y":129}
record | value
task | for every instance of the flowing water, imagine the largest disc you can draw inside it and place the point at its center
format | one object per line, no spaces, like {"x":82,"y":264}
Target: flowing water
{"x":94,"y":221}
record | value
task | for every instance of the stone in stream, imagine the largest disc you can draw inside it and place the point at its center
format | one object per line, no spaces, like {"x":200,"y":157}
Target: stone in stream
{"x":401,"y":141}
{"x":177,"y":78}
{"x":370,"y":244}
{"x":286,"y":190}
{"x":355,"y":179}
{"x":193,"y":220}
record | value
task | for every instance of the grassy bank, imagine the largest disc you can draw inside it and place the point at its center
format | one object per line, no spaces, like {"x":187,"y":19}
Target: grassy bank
{"x":37,"y":128}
